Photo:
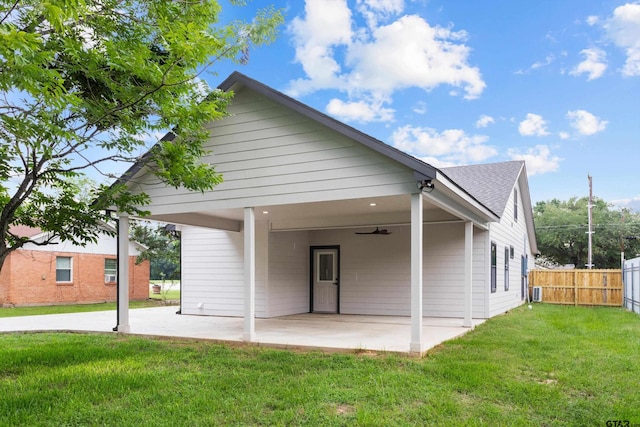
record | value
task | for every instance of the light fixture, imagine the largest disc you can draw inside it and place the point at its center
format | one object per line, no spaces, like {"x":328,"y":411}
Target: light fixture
{"x":426,"y":185}
{"x":265,"y":212}
{"x":372,"y":204}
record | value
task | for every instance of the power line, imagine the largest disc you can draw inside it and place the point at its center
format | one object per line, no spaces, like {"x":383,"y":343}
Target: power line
{"x":613,"y":224}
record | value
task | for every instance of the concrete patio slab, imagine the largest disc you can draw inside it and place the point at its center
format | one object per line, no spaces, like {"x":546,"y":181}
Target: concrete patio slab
{"x":329,"y":332}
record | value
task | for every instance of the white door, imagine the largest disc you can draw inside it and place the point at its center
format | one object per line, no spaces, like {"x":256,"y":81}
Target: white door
{"x":325,"y":280}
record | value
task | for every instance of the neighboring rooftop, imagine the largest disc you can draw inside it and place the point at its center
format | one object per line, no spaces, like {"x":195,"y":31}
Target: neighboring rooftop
{"x":24,"y":231}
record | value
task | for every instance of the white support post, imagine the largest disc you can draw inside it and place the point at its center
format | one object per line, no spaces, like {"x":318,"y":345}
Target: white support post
{"x":249,"y":275}
{"x":123,"y":274}
{"x":468,"y":274}
{"x":416,"y":344}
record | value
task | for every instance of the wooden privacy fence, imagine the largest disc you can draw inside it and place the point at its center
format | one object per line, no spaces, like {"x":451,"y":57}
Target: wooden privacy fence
{"x":578,"y":287}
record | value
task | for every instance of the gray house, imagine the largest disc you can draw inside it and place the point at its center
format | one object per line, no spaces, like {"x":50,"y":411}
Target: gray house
{"x":315,"y":216}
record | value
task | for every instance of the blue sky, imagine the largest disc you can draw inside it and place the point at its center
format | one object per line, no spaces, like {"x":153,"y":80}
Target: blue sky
{"x":556,"y":83}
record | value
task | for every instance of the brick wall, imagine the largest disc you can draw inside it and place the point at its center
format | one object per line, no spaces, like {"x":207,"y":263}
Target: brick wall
{"x":4,"y":280}
{"x":30,"y":279}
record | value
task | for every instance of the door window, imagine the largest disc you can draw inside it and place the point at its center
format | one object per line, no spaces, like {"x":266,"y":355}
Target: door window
{"x":326,"y":267}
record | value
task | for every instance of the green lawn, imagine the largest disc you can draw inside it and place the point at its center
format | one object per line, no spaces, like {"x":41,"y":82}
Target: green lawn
{"x":550,"y":366}
{"x":170,"y":290}
{"x":72,"y":308}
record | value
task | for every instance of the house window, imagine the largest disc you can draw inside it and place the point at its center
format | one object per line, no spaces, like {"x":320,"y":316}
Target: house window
{"x":506,"y":268}
{"x":63,"y":269}
{"x":512,"y":252}
{"x":110,"y":270}
{"x":515,"y":205}
{"x":494,"y":263}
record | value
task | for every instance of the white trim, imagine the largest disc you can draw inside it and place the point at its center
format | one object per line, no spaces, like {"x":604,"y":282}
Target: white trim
{"x":416,"y":344}
{"x":249,"y":332}
{"x":123,"y":274}
{"x":65,"y":282}
{"x":468,"y":274}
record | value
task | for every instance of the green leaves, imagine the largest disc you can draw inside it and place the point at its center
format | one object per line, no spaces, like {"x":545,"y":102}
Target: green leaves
{"x":561,"y":231}
{"x":82,"y":82}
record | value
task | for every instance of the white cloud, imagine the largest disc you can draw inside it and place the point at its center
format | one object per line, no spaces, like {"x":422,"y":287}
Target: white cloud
{"x":631,"y":203}
{"x":449,"y":147}
{"x":538,"y":159}
{"x":585,"y":122}
{"x":539,"y":64}
{"x":594,"y":64}
{"x":592,"y":20}
{"x":547,"y":60}
{"x":484,"y":121}
{"x":374,"y":61}
{"x":327,"y":24}
{"x":534,"y":124}
{"x":564,"y":135}
{"x":411,"y":53}
{"x":374,"y":10}
{"x":420,"y":108}
{"x":623,"y":27}
{"x":359,"y":111}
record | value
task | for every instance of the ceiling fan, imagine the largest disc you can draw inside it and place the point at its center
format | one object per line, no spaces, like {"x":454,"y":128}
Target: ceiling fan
{"x":377,"y":231}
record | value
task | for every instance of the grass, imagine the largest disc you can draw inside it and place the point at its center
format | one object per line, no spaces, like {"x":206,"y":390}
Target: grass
{"x":169,"y":294}
{"x":71,"y":308}
{"x":170,"y":290}
{"x":550,"y":366}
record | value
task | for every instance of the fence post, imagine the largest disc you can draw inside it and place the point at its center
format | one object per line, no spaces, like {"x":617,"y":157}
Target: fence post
{"x":575,"y":288}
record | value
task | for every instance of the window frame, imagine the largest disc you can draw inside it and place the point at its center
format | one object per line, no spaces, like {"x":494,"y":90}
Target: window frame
{"x":110,"y":271}
{"x":69,"y":269}
{"x":494,"y":267}
{"x":506,"y":268}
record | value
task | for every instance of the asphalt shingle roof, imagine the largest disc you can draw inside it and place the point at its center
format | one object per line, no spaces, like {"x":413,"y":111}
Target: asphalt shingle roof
{"x":491,"y":184}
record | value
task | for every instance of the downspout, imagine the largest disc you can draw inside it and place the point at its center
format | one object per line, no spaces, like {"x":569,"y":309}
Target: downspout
{"x":115,"y":328}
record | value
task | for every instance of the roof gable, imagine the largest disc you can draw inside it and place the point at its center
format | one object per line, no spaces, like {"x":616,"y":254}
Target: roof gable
{"x":491,"y":184}
{"x":238,"y":79}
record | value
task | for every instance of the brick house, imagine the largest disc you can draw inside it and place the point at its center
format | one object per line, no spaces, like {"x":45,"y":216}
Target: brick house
{"x":64,"y":273}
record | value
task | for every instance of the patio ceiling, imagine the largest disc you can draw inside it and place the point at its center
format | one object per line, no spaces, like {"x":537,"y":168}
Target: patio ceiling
{"x":365,"y":212}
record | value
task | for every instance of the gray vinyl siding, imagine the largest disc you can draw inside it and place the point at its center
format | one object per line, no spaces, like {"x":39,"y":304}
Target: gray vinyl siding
{"x":213,"y":272}
{"x":271,"y":155}
{"x":375,"y":271}
{"x":481,"y":274}
{"x":288,"y":285}
{"x":508,"y":232}
{"x":374,"y":278}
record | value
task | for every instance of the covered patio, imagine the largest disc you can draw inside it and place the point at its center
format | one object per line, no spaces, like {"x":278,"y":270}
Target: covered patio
{"x":316,"y":217}
{"x":325,"y":332}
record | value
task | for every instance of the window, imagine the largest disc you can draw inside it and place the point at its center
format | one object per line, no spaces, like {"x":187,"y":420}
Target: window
{"x":494,"y":260}
{"x":512,"y":252}
{"x":506,"y":268}
{"x":63,"y":269}
{"x":515,"y":205}
{"x":326,"y":267}
{"x":110,"y":270}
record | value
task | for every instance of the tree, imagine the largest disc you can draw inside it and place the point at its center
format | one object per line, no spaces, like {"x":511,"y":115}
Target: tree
{"x":562,"y":226}
{"x":81,"y":84}
{"x":162,"y":249}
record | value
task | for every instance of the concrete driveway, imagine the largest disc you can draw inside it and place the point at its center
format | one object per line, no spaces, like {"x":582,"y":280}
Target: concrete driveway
{"x":328,"y":332}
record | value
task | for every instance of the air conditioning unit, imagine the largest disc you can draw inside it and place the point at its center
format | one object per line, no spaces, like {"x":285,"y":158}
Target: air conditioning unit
{"x":537,"y":294}
{"x":108,"y":278}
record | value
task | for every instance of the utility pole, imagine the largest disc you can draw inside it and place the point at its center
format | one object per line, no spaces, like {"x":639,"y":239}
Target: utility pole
{"x":590,"y":232}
